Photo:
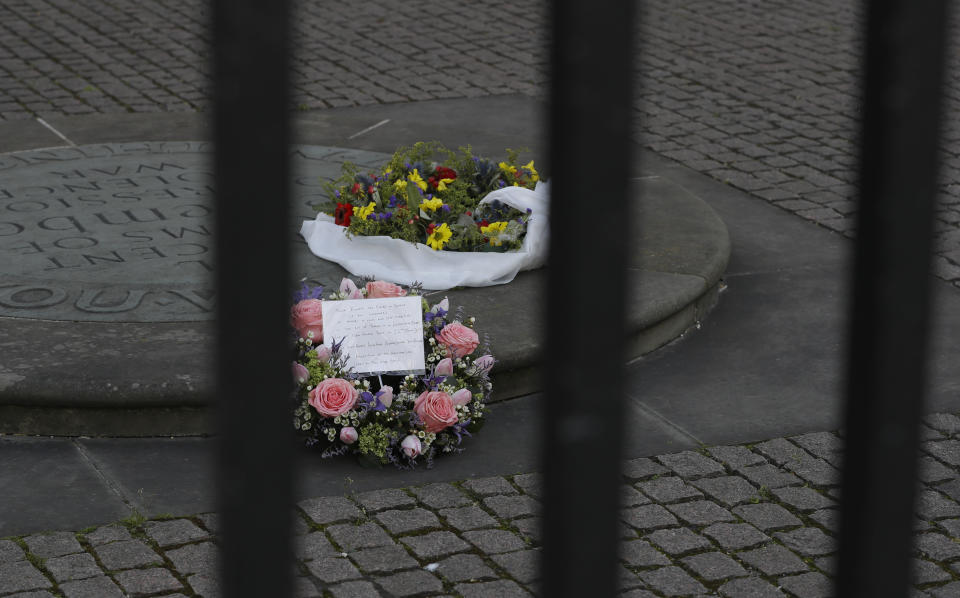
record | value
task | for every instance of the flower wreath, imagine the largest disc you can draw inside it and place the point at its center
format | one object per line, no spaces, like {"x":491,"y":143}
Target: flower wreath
{"x":407,"y":418}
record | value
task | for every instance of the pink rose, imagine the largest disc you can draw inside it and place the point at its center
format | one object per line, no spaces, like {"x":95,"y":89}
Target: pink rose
{"x":348,"y":435}
{"x":378,"y":289}
{"x":444,"y":367}
{"x":306,"y":317}
{"x":385,"y":395}
{"x":411,"y":446}
{"x":458,"y":339}
{"x":300,"y":373}
{"x":347,"y":286}
{"x":333,"y":397}
{"x":462,"y":397}
{"x":485,"y":363}
{"x":436,"y":410}
{"x":323,"y":353}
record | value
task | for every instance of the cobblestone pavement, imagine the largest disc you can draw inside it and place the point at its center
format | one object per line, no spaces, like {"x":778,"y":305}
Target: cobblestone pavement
{"x":762,"y":96}
{"x":738,"y":521}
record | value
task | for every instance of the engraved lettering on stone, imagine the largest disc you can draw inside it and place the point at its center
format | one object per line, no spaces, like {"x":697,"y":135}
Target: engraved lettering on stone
{"x":105,"y":301}
{"x":31,"y":295}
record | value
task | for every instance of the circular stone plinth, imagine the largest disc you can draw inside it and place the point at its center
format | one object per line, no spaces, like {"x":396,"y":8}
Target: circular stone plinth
{"x":106,"y":294}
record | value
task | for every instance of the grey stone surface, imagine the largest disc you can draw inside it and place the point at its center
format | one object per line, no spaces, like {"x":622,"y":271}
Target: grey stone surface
{"x":72,"y":566}
{"x":691,"y":465}
{"x":437,"y":544}
{"x":522,"y":565}
{"x":735,"y":457}
{"x":648,"y":517}
{"x":95,"y":587}
{"x":313,"y":545}
{"x":749,"y":587}
{"x":10,"y":552}
{"x":807,"y":541}
{"x":106,"y":534}
{"x":492,"y":589}
{"x":50,"y":545}
{"x":489,"y":486}
{"x":329,"y":509}
{"x":494,"y":541}
{"x":713,"y":566}
{"x":937,"y":546}
{"x":925,"y":572}
{"x":770,"y":476}
{"x":139,"y":582}
{"x":672,"y":580}
{"x":408,"y":520}
{"x":207,"y":586}
{"x":464,"y":567}
{"x":530,"y":483}
{"x":351,"y":537}
{"x":639,"y":553}
{"x":931,"y":470}
{"x":668,"y":489}
{"x":701,"y":512}
{"x":383,"y":559}
{"x":511,"y":507}
{"x":730,"y":490}
{"x":803,"y":498}
{"x":409,"y":583}
{"x":642,"y":468}
{"x":20,"y":576}
{"x":767,"y":516}
{"x":390,"y":498}
{"x":467,"y":518}
{"x":177,"y":531}
{"x":808,"y":585}
{"x":631,"y":497}
{"x":196,"y":558}
{"x":825,"y":445}
{"x":676,"y":541}
{"x":947,"y":451}
{"x":440,"y":496}
{"x":734,"y":536}
{"x":933,"y":505}
{"x":773,"y":559}
{"x":126,"y":555}
{"x":332,"y":569}
{"x":354,"y":589}
{"x":529,"y":527}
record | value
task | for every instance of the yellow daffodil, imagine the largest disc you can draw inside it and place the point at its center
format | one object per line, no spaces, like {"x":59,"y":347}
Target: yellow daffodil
{"x":363,"y":213}
{"x":432,"y":204}
{"x":442,"y":184}
{"x":507,"y":168}
{"x":439,"y":236}
{"x":533,"y":171}
{"x":493,"y":231}
{"x":415,"y":178}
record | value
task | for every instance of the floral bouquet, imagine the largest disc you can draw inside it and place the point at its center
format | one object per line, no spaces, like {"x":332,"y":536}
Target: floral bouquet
{"x":419,"y":199}
{"x":401,"y":419}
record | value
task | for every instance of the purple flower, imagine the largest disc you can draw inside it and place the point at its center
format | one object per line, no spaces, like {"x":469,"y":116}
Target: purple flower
{"x":307,"y":292}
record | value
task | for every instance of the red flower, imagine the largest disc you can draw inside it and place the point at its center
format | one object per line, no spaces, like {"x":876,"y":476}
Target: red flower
{"x":356,"y":189}
{"x":342,"y":214}
{"x":370,"y":189}
{"x":442,"y":172}
{"x":432,"y":181}
{"x":483,"y":222}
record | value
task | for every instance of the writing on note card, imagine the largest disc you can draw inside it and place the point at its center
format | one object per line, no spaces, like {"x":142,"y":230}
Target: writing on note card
{"x":380,"y":336}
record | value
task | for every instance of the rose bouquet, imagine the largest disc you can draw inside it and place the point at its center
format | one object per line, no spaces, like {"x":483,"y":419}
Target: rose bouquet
{"x":402,"y":419}
{"x":418,"y":198}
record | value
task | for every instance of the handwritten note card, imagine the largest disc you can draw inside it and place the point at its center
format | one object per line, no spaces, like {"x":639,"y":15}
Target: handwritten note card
{"x":380,"y":335}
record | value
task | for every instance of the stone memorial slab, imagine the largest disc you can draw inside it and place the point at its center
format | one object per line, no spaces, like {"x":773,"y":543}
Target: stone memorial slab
{"x":123,"y":232}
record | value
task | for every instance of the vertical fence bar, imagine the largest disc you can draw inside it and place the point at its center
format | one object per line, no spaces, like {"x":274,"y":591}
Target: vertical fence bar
{"x":589,"y":127}
{"x":905,"y":44}
{"x":251,"y":134}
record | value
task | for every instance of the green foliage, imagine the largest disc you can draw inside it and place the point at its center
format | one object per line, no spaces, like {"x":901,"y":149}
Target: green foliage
{"x":373,"y":440}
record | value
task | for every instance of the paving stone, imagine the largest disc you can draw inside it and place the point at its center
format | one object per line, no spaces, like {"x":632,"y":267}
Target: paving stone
{"x":668,"y":489}
{"x":690,"y":465}
{"x":46,"y":594}
{"x":530,"y":483}
{"x":947,"y":451}
{"x":530,"y":527}
{"x":808,"y":541}
{"x":332,"y":569}
{"x":627,"y":579}
{"x":937,"y":546}
{"x":827,"y":564}
{"x":749,"y":587}
{"x":303,"y":587}
{"x":773,"y":559}
{"x":378,"y":500}
{"x":409,"y":583}
{"x":10,"y":552}
{"x":493,"y":541}
{"x":465,"y":567}
{"x":730,"y":490}
{"x":72,"y":566}
{"x":108,"y":533}
{"x":467,"y":518}
{"x":51,"y":545}
{"x":139,"y":582}
{"x":825,"y":445}
{"x":947,"y":423}
{"x":436,"y":544}
{"x":951,"y":526}
{"x":94,"y":587}
{"x":770,"y":476}
{"x":735,"y":457}
{"x":828,"y":518}
{"x":639,"y":553}
{"x":204,"y":585}
{"x":351,"y":537}
{"x":177,"y":531}
{"x":930,"y":470}
{"x":329,"y":509}
{"x":490,"y":486}
{"x":804,"y":499}
{"x":299,"y":525}
{"x":126,"y":555}
{"x":313,"y":545}
{"x":408,"y":520}
{"x":383,"y":559}
{"x":734,"y":536}
{"x":439,"y":496}
{"x":951,"y":590}
{"x":195,"y":558}
{"x":522,"y":565}
{"x":932,"y":505}
{"x":503,"y":588}
{"x":20,"y":576}
{"x":672,"y":581}
{"x":714,"y":566}
{"x":630,"y":497}
{"x":354,"y":589}
{"x":808,"y":585}
{"x":793,"y":458}
{"x":638,"y":593}
{"x":642,"y":468}
{"x":767,"y":516}
{"x":926,"y":572}
{"x":211,"y":521}
{"x":701,"y":512}
{"x":678,"y":540}
{"x":647,"y":517}
{"x":951,"y":488}
{"x":511,"y":507}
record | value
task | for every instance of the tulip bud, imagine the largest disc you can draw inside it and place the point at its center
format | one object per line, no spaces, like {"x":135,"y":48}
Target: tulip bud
{"x":300,"y":373}
{"x":411,"y":446}
{"x":485,"y":363}
{"x":323,"y":353}
{"x":462,"y":397}
{"x":348,"y":435}
{"x":386,"y":395}
{"x":444,"y":367}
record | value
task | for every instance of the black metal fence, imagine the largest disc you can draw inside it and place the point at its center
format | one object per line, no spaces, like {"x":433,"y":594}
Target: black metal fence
{"x":590,"y":95}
